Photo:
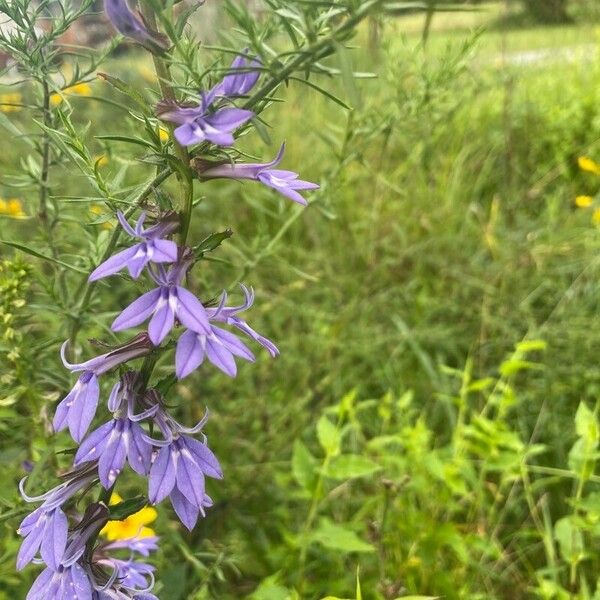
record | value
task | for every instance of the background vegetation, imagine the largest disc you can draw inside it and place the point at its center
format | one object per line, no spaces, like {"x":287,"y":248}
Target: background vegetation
{"x":431,"y":427}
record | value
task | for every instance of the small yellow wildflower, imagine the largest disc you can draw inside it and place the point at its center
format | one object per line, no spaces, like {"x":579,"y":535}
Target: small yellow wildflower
{"x":98,"y":211}
{"x":163,"y":134}
{"x":12,"y":208}
{"x":79,"y":89}
{"x":131,"y":527}
{"x":10,"y":102}
{"x":584,"y":201}
{"x":596,"y":217}
{"x":589,"y":165}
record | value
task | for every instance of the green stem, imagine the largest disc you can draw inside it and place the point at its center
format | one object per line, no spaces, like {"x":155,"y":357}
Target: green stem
{"x":185,"y":172}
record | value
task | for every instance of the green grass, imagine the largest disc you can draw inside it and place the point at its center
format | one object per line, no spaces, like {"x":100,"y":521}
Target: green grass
{"x":444,"y":234}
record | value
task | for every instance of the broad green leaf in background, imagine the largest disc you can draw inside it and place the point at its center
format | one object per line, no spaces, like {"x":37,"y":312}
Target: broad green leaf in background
{"x":349,"y":466}
{"x":336,"y":537}
{"x":304,"y":466}
{"x":329,"y":436}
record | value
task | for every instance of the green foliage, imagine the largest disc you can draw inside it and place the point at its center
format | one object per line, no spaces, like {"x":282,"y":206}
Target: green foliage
{"x":445,"y":232}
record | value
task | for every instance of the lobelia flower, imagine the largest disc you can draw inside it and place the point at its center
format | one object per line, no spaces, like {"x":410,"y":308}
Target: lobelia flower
{"x":284,"y":182}
{"x":64,"y":583}
{"x":242,"y":77}
{"x":45,"y":529}
{"x":69,"y":580}
{"x":78,"y":408}
{"x":125,"y":21}
{"x":165,"y":303}
{"x":203,"y":123}
{"x":152,"y":248}
{"x":219,"y":345}
{"x":179,"y":469}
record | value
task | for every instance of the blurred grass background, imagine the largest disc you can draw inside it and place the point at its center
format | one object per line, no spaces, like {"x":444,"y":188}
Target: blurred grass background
{"x":446,"y":232}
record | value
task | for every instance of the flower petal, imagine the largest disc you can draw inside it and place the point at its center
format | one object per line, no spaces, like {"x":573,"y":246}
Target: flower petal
{"x":205,"y":458}
{"x":162,"y":321}
{"x":83,"y":409}
{"x":31,"y":543}
{"x":191,"y":312}
{"x":190,"y":479}
{"x":38,"y":589}
{"x":186,"y":511}
{"x":139,"y":453}
{"x":113,"y":458}
{"x":162,"y":476}
{"x":55,"y":538}
{"x":189,"y":354}
{"x":164,"y":251}
{"x":138,"y":311}
{"x":94,"y":444}
{"x":114,"y":264}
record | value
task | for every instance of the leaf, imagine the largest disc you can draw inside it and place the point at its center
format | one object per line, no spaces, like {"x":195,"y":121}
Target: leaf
{"x":119,"y":512}
{"x":212,"y":242}
{"x":126,"y":139}
{"x":570,"y":540}
{"x":585,"y":423}
{"x":336,"y":537}
{"x":345,"y":62}
{"x":531,"y":346}
{"x":304,"y":466}
{"x":329,"y":436}
{"x":124,"y":88}
{"x":37,"y":254}
{"x":350,"y":466}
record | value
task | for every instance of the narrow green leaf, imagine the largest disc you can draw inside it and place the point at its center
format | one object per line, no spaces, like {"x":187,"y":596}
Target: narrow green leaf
{"x":37,"y":254}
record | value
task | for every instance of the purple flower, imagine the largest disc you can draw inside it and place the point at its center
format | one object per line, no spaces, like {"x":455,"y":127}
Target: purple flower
{"x":129,"y":24}
{"x":284,"y":182}
{"x":219,"y":346}
{"x":141,"y":545}
{"x":151,"y":249}
{"x":242,"y":78}
{"x":64,"y":583}
{"x":45,"y":529}
{"x":132,"y":574}
{"x":165,"y":303}
{"x":112,"y":444}
{"x":228,"y":315}
{"x":178,"y":471}
{"x":202,"y":123}
{"x":78,"y":408}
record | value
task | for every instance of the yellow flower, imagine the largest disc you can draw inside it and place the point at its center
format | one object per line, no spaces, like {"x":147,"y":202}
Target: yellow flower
{"x":12,"y":208}
{"x":596,"y":217}
{"x":584,"y":201}
{"x":163,"y":134}
{"x":79,"y":89}
{"x":97,"y":211}
{"x":587,"y":164}
{"x":131,"y":527}
{"x":10,"y":102}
